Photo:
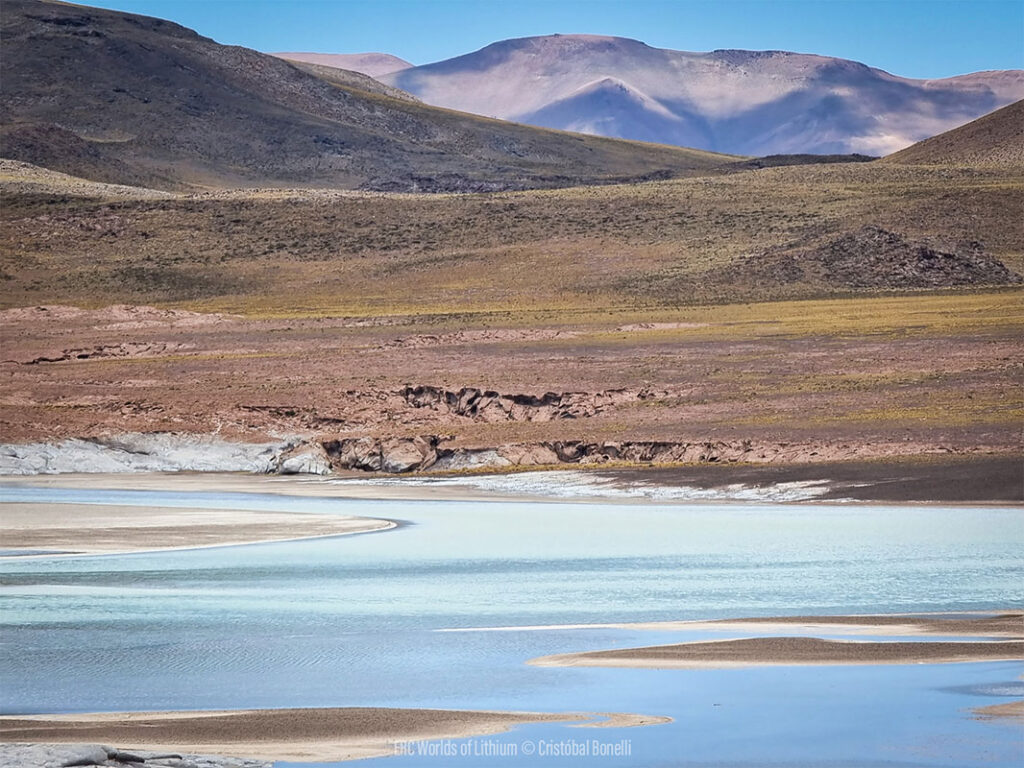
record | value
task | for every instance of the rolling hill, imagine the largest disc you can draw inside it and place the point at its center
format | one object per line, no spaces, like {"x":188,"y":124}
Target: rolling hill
{"x":128,"y":99}
{"x":743,"y":102}
{"x":995,"y":140}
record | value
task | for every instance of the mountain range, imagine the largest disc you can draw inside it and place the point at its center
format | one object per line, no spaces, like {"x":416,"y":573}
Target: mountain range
{"x":129,"y":99}
{"x":733,"y":101}
{"x":115,"y":97}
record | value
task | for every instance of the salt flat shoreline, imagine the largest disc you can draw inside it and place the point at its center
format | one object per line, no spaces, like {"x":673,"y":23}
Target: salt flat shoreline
{"x":60,"y":528}
{"x":301,"y":735}
{"x":312,"y":735}
{"x":978,"y":481}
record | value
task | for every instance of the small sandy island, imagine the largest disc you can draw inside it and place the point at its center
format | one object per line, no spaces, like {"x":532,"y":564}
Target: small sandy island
{"x":763,"y":651}
{"x":785,"y":650}
{"x":302,"y":735}
{"x":994,"y":624}
{"x":93,"y":529}
{"x":1010,"y":710}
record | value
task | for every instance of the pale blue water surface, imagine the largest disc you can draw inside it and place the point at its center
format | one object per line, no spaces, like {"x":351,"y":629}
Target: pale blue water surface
{"x":352,"y":621}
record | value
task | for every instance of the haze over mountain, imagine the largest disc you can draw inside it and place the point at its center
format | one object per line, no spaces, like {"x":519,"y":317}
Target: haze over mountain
{"x":129,"y":99}
{"x":993,"y":141}
{"x":743,"y":102}
{"x":372,"y":64}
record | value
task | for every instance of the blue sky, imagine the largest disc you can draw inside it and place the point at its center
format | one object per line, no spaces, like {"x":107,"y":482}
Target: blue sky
{"x":913,"y":38}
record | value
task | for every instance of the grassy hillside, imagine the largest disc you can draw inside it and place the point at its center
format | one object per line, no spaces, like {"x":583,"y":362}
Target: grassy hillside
{"x":129,"y":99}
{"x":773,"y":233}
{"x":995,"y":140}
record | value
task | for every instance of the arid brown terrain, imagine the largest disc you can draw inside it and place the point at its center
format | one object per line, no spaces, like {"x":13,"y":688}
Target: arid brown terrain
{"x":778,"y":382}
{"x":789,"y":309}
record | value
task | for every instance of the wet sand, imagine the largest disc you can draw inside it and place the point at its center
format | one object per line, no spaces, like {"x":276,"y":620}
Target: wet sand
{"x":283,"y":734}
{"x":1010,"y":710}
{"x":789,"y":651}
{"x":950,"y":479}
{"x":106,"y":529}
{"x":240,"y":482}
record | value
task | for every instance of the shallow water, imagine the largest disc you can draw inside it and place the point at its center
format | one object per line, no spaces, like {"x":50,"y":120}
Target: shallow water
{"x":352,"y":620}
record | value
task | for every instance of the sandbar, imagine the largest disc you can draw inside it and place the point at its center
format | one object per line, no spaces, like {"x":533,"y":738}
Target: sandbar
{"x":94,"y":529}
{"x":789,"y":651}
{"x":765,"y":650}
{"x":322,"y":734}
{"x":1010,"y":710}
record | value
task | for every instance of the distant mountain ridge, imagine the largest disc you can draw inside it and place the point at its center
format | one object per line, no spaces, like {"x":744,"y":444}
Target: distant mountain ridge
{"x":740,"y":102}
{"x":372,"y":64}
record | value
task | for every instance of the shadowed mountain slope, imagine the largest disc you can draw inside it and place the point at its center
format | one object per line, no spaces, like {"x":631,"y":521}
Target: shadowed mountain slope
{"x":349,"y":79}
{"x":746,"y":102}
{"x":995,"y":140}
{"x":121,"y":98}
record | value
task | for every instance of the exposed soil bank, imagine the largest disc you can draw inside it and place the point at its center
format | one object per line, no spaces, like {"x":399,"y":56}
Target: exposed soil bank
{"x":841,"y":379}
{"x":406,"y":454}
{"x":718,"y":472}
{"x":957,"y":479}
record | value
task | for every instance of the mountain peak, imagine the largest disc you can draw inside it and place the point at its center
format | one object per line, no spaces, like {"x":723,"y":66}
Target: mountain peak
{"x":575,"y":40}
{"x":730,"y":100}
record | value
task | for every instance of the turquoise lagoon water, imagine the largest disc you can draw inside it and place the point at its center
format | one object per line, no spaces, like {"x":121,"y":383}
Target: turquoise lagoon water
{"x":354,"y":621}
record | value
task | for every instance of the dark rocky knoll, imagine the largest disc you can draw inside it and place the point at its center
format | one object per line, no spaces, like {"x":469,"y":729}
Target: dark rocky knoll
{"x":873,"y":258}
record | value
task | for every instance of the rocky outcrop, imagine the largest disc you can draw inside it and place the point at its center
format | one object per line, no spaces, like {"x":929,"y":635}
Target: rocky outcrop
{"x":400,"y":455}
{"x":106,"y":351}
{"x":68,"y":755}
{"x":392,"y":455}
{"x":491,"y":406}
{"x":303,"y":459}
{"x":634,"y":452}
{"x":555,"y":453}
{"x":875,"y":258}
{"x":155,"y":452}
{"x":423,"y":408}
